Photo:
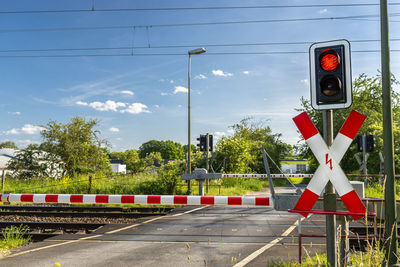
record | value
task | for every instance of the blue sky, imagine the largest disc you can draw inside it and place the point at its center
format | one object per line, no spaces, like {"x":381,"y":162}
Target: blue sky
{"x":139,"y":98}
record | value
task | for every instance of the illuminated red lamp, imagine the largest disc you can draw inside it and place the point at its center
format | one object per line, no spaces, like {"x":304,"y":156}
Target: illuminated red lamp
{"x":329,"y":59}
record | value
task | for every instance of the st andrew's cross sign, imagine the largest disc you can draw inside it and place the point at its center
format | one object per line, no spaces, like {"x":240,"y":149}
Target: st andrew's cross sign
{"x":329,"y":158}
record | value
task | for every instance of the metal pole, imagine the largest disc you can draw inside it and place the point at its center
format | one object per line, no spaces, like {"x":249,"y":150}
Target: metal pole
{"x":207,"y":163}
{"x":364,"y":148}
{"x":330,"y":196}
{"x":390,"y":192}
{"x":189,"y":167}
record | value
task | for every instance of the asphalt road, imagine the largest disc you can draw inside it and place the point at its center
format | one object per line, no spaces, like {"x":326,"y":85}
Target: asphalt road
{"x":190,"y":236}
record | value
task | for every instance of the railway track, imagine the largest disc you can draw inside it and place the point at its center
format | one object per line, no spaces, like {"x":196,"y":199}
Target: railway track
{"x":52,"y":220}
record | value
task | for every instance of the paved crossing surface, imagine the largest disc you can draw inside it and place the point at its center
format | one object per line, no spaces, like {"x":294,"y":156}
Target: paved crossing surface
{"x":190,"y":236}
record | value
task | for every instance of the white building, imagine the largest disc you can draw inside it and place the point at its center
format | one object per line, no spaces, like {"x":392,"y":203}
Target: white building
{"x":294,"y":165}
{"x":118,"y":166}
{"x":5,"y":155}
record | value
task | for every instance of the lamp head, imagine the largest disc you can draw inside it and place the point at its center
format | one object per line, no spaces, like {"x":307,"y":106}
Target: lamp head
{"x":197,"y":51}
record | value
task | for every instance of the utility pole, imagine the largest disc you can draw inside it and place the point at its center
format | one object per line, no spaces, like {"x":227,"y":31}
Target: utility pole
{"x":207,"y":161}
{"x":330,"y":196}
{"x":390,"y":191}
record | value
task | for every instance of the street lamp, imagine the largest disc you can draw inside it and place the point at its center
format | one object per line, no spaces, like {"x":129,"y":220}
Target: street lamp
{"x":196,"y":51}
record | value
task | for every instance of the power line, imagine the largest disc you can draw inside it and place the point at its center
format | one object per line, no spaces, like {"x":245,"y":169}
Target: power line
{"x":189,"y":8}
{"x":173,"y":46}
{"x":181,"y":54}
{"x":189,"y":24}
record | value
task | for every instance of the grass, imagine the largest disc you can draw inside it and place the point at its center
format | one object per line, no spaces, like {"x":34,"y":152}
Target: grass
{"x":13,"y":237}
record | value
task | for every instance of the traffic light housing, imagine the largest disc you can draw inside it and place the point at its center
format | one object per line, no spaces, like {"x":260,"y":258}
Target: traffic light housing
{"x":370,"y":143}
{"x":202,"y":142}
{"x":330,"y":75}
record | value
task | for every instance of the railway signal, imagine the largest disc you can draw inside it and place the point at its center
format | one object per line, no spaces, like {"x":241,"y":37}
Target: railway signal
{"x":330,"y":71}
{"x":203,"y":142}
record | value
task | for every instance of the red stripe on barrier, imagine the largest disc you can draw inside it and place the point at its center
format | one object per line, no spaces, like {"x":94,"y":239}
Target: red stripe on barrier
{"x":262,"y":201}
{"x":51,"y":198}
{"x":27,"y":198}
{"x":128,"y":199}
{"x":207,"y":200}
{"x":153,"y":199}
{"x":352,"y":124}
{"x":353,"y":203}
{"x":76,"y":199}
{"x":305,"y":125}
{"x":306,"y":201}
{"x":180,"y":200}
{"x":234,"y":200}
{"x":102,"y":199}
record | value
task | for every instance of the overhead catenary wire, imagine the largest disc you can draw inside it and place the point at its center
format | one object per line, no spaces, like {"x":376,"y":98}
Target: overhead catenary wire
{"x":178,"y":54}
{"x":93,"y":9}
{"x":174,"y":46}
{"x":188,"y":24}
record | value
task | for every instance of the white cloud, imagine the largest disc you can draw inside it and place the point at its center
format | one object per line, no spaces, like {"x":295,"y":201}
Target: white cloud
{"x":156,"y":106}
{"x":114,"y":129}
{"x":246,"y":72}
{"x":179,"y":106}
{"x":31,"y":129}
{"x":323,"y":11}
{"x":81,"y":103}
{"x":15,"y":113}
{"x":12,"y":131}
{"x":136,"y":108}
{"x":127,"y":92}
{"x":164,"y":93}
{"x":106,"y":106}
{"x":200,"y":77}
{"x":180,"y":89}
{"x":218,"y":135}
{"x":171,"y":81}
{"x":221,"y":73}
{"x":26,"y":142}
{"x":305,"y":81}
{"x":26,"y":129}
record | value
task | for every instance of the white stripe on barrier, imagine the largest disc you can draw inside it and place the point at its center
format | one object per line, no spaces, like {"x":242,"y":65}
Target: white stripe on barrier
{"x":64,"y":198}
{"x":89,"y":199}
{"x":14,"y":198}
{"x":194,"y":200}
{"x":167,"y":200}
{"x":39,"y":198}
{"x":140,"y":199}
{"x":114,"y":199}
{"x":219,"y":200}
{"x":248,"y":201}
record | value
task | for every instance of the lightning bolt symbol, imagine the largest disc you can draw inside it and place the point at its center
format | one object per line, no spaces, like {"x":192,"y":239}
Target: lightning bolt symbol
{"x":328,"y":161}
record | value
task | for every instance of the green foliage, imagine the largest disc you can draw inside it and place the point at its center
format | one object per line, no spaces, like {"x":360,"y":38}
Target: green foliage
{"x":130,"y":158}
{"x":13,"y":237}
{"x":367,"y":99}
{"x":78,"y":146}
{"x":242,"y":151}
{"x":168,"y":149}
{"x":8,"y":144}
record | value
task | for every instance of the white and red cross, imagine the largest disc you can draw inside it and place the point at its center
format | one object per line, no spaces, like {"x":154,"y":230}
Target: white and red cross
{"x":329,"y":158}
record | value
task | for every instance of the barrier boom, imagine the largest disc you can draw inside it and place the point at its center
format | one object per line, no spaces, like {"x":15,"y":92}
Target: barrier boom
{"x":137,"y":199}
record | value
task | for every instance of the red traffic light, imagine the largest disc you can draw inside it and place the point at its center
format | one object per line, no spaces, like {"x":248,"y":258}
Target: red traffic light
{"x":329,"y":59}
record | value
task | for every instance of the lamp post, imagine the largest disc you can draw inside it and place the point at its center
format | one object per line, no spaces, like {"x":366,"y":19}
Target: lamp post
{"x":189,"y":170}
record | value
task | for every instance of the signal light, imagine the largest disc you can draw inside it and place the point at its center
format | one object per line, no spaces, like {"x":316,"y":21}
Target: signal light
{"x":330,"y":73}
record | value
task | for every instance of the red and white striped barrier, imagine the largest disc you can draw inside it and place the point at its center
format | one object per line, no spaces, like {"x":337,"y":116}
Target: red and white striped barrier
{"x":329,"y":158}
{"x":265,"y":176}
{"x":137,"y":199}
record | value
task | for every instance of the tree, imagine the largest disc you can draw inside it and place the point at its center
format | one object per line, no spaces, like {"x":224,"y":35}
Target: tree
{"x":130,"y":158}
{"x":78,"y":145}
{"x":8,"y":144}
{"x":168,"y":149}
{"x":367,"y":99}
{"x":242,"y":151}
